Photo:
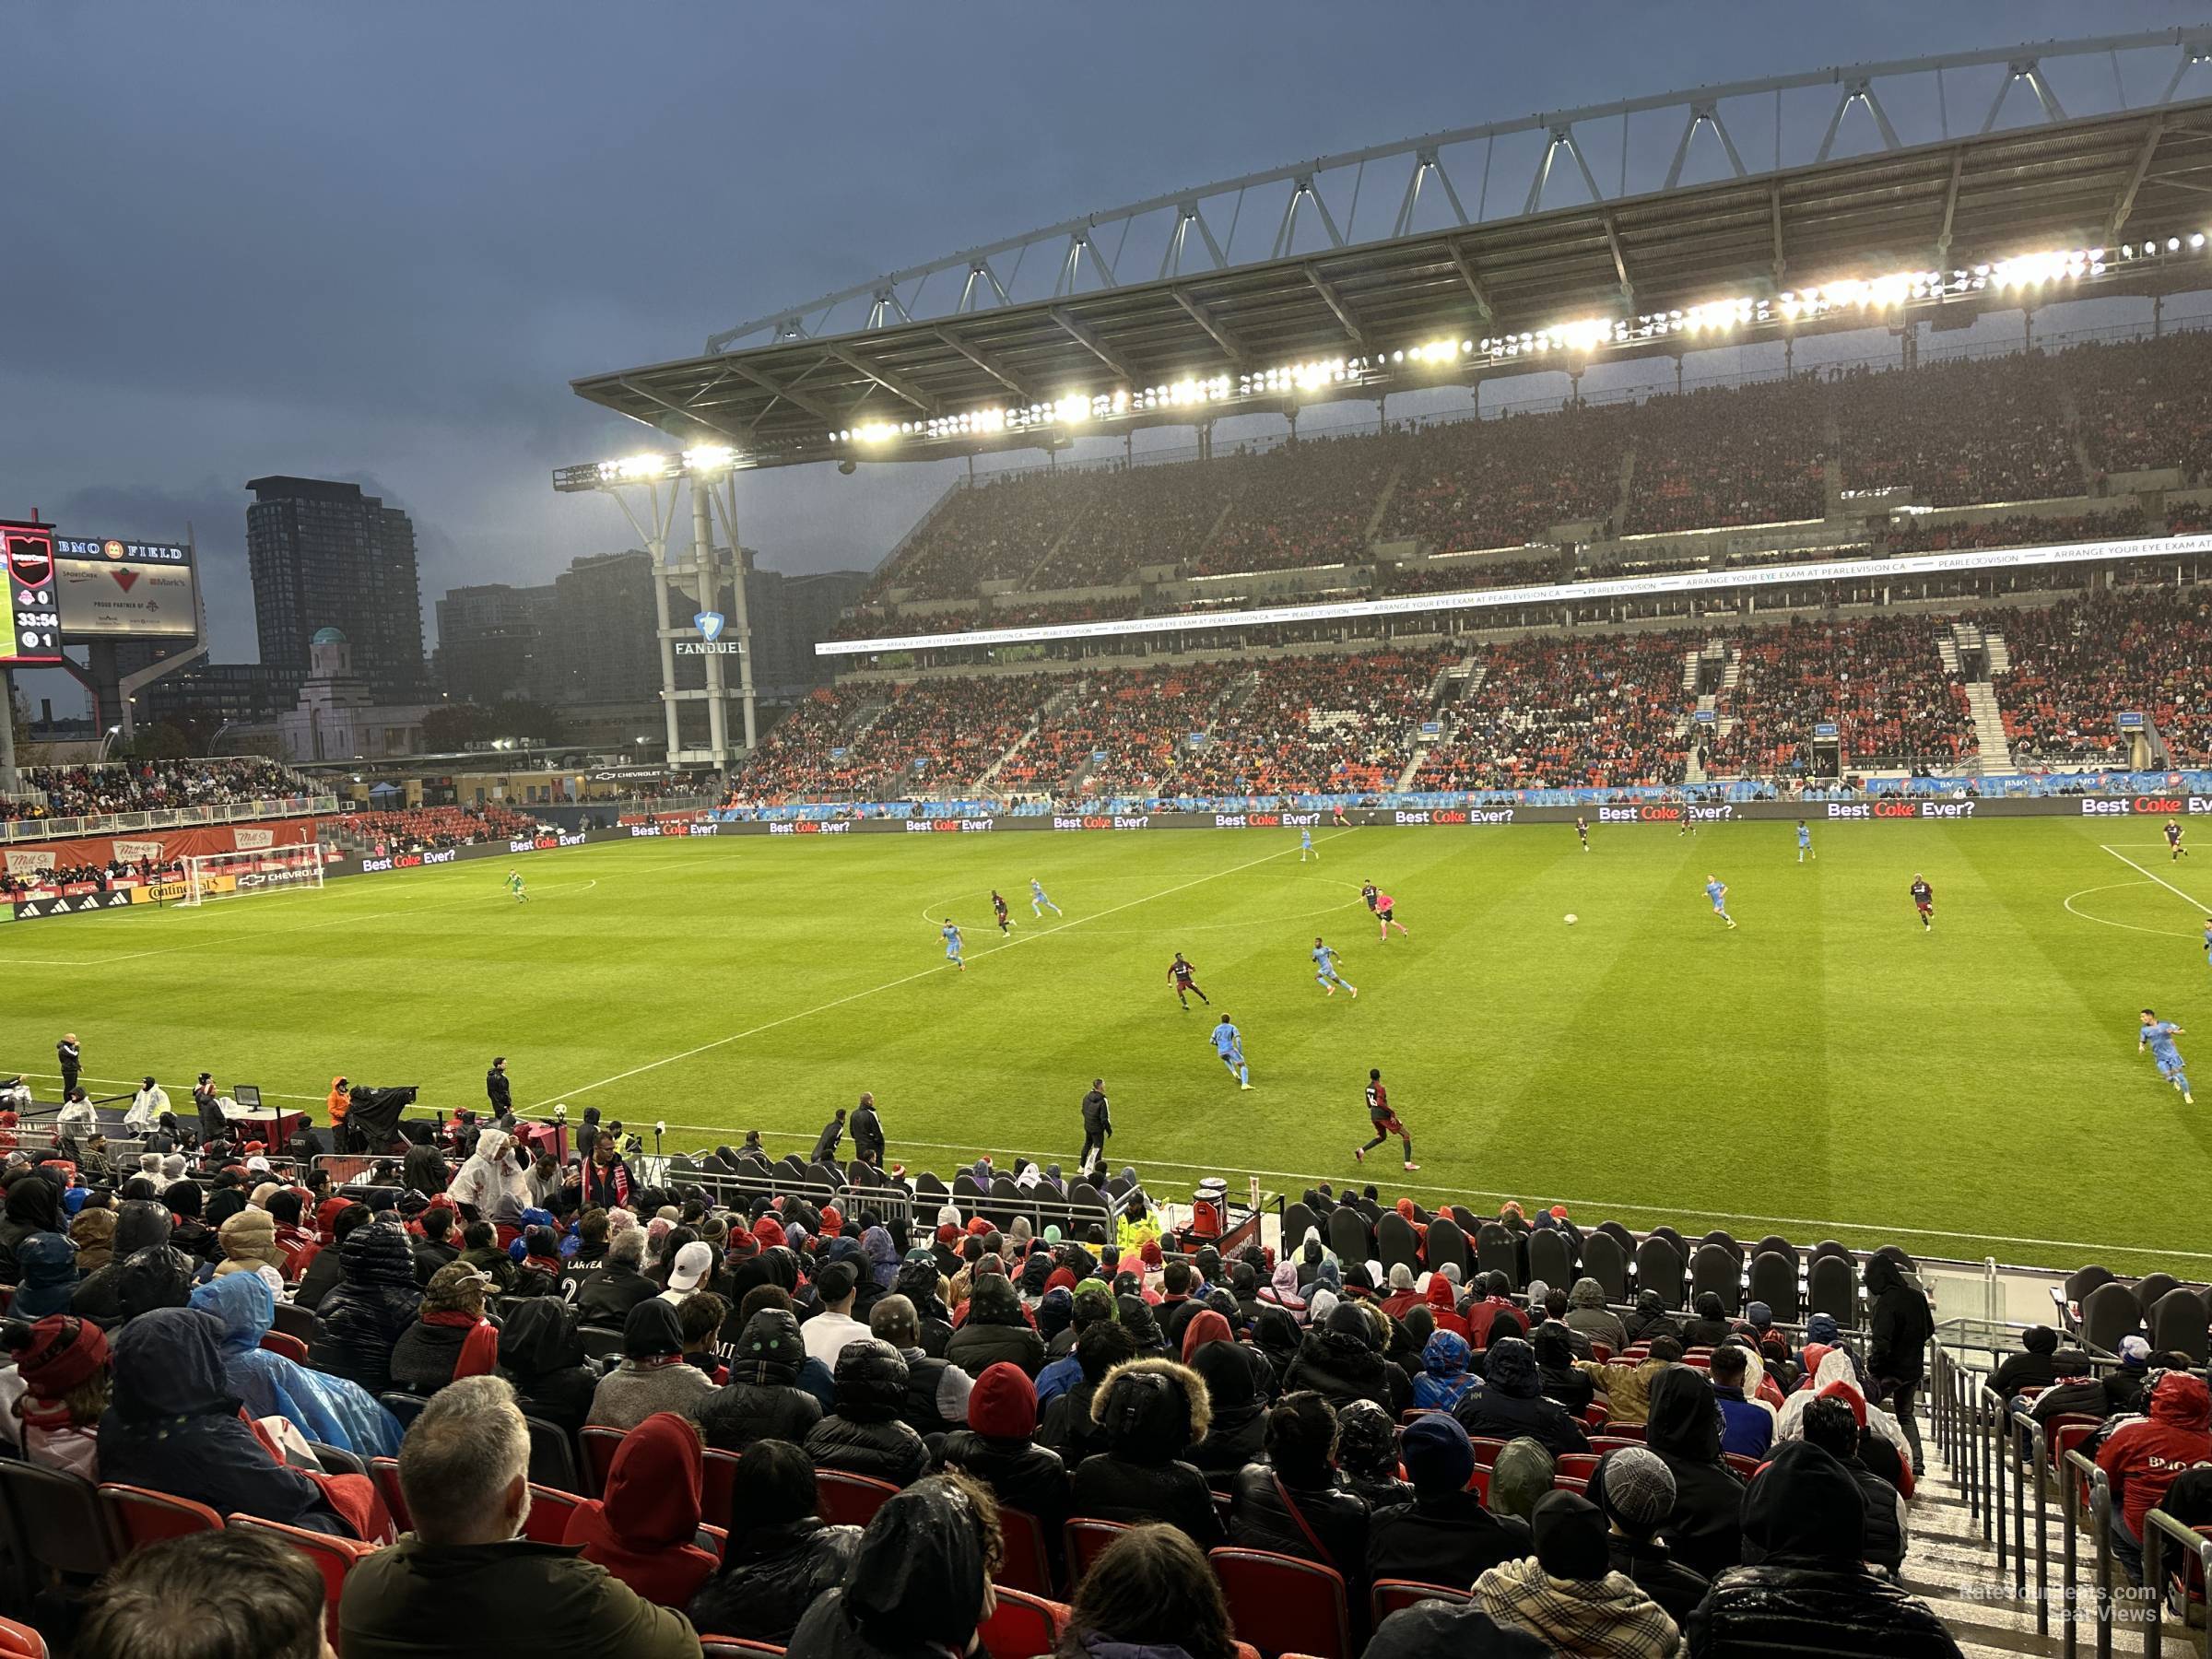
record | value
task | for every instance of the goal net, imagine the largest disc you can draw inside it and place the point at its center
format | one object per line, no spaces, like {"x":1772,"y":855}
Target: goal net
{"x":214,"y":875}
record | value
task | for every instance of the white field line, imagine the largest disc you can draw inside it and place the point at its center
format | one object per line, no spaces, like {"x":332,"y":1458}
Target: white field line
{"x":2163,"y":933}
{"x":2202,"y":908}
{"x":1594,"y":1205}
{"x":909,"y":979}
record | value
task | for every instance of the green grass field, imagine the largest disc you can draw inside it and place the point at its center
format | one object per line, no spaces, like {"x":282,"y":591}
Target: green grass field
{"x":1825,"y":1069}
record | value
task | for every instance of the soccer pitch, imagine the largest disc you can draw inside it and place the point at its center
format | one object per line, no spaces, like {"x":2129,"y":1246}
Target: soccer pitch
{"x":1826,"y":1070}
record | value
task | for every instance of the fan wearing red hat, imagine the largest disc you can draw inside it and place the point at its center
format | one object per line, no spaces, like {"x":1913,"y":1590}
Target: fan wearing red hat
{"x":64,"y":1363}
{"x":998,"y":1449}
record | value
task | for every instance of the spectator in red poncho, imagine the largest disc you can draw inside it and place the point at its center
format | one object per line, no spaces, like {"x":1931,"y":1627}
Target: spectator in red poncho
{"x":2143,"y":1456}
{"x":645,"y":1529}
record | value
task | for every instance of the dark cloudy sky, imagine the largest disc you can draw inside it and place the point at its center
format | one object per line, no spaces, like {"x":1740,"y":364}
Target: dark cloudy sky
{"x":375,"y":240}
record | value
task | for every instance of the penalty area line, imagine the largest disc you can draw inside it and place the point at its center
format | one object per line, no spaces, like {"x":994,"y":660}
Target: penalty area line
{"x":909,"y":979}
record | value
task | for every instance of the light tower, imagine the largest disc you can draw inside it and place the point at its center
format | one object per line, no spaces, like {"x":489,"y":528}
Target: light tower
{"x":658,"y":477}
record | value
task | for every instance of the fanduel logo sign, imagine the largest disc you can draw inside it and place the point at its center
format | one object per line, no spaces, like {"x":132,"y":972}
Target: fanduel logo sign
{"x":710,"y":642}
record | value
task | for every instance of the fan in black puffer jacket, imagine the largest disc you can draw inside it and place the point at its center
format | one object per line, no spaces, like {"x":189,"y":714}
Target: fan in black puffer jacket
{"x":997,"y":1449}
{"x":865,"y":1435}
{"x":921,"y":1284}
{"x":375,"y":1301}
{"x":1684,"y":1428}
{"x":1153,"y":1411}
{"x":1296,"y":1497}
{"x":995,"y":1331}
{"x":1810,"y":1592}
{"x":780,"y":1558}
{"x":1342,"y":1361}
{"x":762,"y":1400}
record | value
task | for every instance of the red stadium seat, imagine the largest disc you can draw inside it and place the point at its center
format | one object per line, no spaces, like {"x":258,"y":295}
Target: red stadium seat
{"x":1029,"y":1564}
{"x":144,"y":1516}
{"x":334,"y":1556}
{"x":1086,"y":1541}
{"x":384,"y":1471}
{"x":599,"y":1444}
{"x":717,"y":1489}
{"x":1486,"y":1451}
{"x":279,"y":1342}
{"x":1282,"y":1604}
{"x":549,"y":1512}
{"x":20,"y":1642}
{"x":1576,"y":1466}
{"x":1022,"y":1626}
{"x":736,"y":1647}
{"x":845,"y":1499}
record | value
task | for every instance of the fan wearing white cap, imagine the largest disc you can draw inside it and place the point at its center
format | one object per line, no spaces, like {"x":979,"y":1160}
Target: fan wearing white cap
{"x":693,"y":1263}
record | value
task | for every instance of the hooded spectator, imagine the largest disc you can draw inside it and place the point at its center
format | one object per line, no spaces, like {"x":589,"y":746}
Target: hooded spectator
{"x":1707,"y":1327}
{"x":324,"y":1270}
{"x":781,"y":1557}
{"x":450,"y":1337}
{"x":1834,"y":1427}
{"x":1556,"y":1370}
{"x":327,"y":1410}
{"x":998,"y":1449}
{"x":33,"y":1205}
{"x":1367,"y":1455}
{"x":1342,"y":1360}
{"x":1151,"y":1412}
{"x":937,"y":1390}
{"x":1276,"y":1333}
{"x":1705,"y":1528}
{"x":491,"y":1186}
{"x":1511,"y":1404}
{"x":644,"y":1529}
{"x":62,"y":1362}
{"x":1833,"y":1375}
{"x":653,"y":1375}
{"x":919,"y":1584}
{"x":1442,"y":1301}
{"x":920,"y":1282}
{"x":1293,"y":1504}
{"x":1445,"y":1376}
{"x":1899,"y":1327}
{"x":2142,"y":1456}
{"x":189,"y":1232}
{"x":93,"y":1233}
{"x":993,"y":1331}
{"x":2038,"y":1364}
{"x":1238,"y":1384}
{"x":868,"y":1434}
{"x":1068,"y":1426}
{"x":1521,"y":1474}
{"x":762,"y":1399}
{"x":1443,"y":1535}
{"x":358,"y":1323}
{"x":173,"y":1424}
{"x":46,"y":1275}
{"x":1568,"y":1593}
{"x":1650,"y":1320}
{"x":1148,"y":1594}
{"x":1811,"y":1590}
{"x":1588,"y":1315}
{"x":1635,"y":1491}
{"x":541,"y":1353}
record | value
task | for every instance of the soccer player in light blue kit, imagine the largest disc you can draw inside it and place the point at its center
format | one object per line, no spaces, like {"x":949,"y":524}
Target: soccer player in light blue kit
{"x":1039,"y":903}
{"x":2158,"y":1037}
{"x":1229,"y":1043}
{"x":1717,"y":890}
{"x":1324,"y":970}
{"x":2208,"y":941}
{"x":1305,"y":845}
{"x":952,"y":945}
{"x":1804,"y":841}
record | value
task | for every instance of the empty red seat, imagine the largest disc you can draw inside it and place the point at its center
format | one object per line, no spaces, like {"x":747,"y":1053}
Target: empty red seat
{"x":144,"y":1516}
{"x":845,"y":1499}
{"x":1022,"y":1626}
{"x":1282,"y":1604}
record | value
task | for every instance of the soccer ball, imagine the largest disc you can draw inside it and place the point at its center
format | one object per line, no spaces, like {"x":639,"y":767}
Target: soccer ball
{"x":1571,"y":918}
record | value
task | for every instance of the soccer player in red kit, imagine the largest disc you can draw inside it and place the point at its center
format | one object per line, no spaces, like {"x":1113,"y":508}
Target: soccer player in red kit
{"x":1185,"y":978}
{"x":1383,"y":1121}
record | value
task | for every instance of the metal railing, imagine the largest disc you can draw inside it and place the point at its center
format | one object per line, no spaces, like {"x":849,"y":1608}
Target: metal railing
{"x":177,"y":818}
{"x":2073,"y":1471}
{"x":2162,"y":1534}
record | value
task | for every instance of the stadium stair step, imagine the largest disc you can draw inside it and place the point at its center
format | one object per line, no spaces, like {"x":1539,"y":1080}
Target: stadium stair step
{"x":1950,"y":1567}
{"x":1628,"y":490}
{"x":1374,"y":519}
{"x":1998,"y":653}
{"x":1989,"y":726}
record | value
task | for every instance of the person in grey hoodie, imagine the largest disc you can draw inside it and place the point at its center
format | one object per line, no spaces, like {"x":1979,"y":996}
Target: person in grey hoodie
{"x":1587,"y":1313}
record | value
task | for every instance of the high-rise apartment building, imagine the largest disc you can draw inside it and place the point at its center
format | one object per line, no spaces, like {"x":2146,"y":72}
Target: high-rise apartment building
{"x":323,"y":555}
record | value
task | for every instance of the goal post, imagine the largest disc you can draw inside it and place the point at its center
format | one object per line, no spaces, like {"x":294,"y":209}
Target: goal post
{"x":213,"y":876}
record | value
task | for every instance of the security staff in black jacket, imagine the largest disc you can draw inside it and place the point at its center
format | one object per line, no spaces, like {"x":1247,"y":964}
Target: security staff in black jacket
{"x":867,"y":1133}
{"x":498,"y":1090}
{"x":1096,"y":1126}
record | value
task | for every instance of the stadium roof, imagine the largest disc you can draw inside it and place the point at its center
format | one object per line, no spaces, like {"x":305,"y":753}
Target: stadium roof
{"x":2103,"y":204}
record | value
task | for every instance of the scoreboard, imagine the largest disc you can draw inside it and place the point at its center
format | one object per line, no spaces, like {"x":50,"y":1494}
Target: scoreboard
{"x":33,"y":633}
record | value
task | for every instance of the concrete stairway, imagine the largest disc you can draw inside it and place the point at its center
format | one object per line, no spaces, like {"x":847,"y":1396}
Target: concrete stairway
{"x":1989,"y":726}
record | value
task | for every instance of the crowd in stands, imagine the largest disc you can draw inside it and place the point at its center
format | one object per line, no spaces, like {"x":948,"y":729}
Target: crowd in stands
{"x":1142,"y":720}
{"x":1960,"y":432}
{"x":2144,"y":404}
{"x":805,"y":755}
{"x":1304,"y":503}
{"x":1601,"y":710}
{"x":15,"y":883}
{"x":1349,"y":721}
{"x":1459,"y":575}
{"x":2077,"y":664}
{"x":116,"y":786}
{"x":1591,"y":1476}
{"x":1916,"y":534}
{"x":998,"y":529}
{"x":417,"y":829}
{"x":1879,"y":679}
{"x":1736,"y":455}
{"x":947,"y":733}
{"x":1497,"y":483}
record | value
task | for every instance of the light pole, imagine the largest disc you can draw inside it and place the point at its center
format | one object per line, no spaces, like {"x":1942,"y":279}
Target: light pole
{"x":699,"y":466}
